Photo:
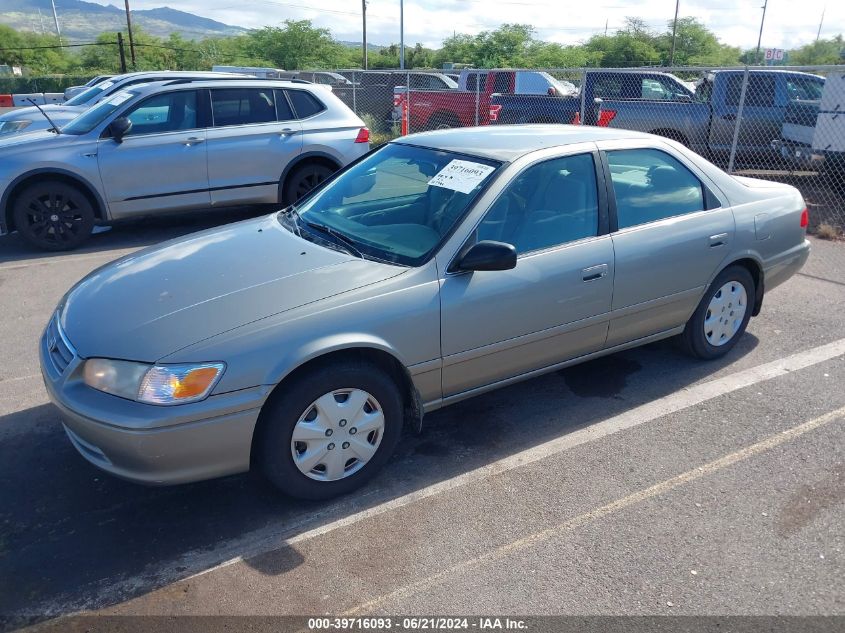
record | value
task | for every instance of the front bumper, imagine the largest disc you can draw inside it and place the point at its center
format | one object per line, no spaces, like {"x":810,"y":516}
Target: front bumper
{"x":151,"y":444}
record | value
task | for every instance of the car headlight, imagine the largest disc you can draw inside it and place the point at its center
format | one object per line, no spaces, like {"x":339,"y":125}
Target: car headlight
{"x":10,"y":127}
{"x":152,"y":384}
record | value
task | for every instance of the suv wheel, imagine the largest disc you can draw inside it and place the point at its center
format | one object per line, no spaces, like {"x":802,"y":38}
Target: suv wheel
{"x":302,"y":180}
{"x":329,"y":430}
{"x":53,"y":215}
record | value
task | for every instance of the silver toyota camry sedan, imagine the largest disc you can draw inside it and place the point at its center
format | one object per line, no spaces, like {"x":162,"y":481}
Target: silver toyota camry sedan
{"x":435,"y":268}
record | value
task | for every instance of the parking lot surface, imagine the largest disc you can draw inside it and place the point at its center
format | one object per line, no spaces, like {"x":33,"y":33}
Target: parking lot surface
{"x":642,"y":483}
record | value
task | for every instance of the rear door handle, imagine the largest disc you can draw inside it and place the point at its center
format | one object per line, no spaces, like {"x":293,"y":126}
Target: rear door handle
{"x":594,"y":272}
{"x":193,"y":140}
{"x":718,"y":240}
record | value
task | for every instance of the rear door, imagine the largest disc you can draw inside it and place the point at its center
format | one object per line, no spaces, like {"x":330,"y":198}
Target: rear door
{"x":762,"y":113}
{"x":254,"y":136}
{"x":671,"y":234}
{"x":326,"y":132}
{"x":161,"y":162}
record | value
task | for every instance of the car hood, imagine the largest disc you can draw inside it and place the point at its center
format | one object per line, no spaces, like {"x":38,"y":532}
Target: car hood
{"x":43,"y":139}
{"x":56,"y":112}
{"x":157,"y":301}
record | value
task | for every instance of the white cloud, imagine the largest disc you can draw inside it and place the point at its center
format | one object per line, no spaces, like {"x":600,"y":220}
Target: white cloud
{"x":736,"y":22}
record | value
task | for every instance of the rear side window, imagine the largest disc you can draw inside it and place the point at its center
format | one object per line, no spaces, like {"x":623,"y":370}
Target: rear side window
{"x":759,"y":93}
{"x":283,"y":110}
{"x":242,"y":106}
{"x":650,"y":185}
{"x":304,"y":104}
{"x":476,"y":81}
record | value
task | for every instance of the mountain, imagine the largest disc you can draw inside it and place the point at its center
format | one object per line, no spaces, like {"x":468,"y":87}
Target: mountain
{"x":84,"y":21}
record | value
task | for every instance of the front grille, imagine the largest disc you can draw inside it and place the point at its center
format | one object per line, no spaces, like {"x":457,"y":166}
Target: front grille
{"x":58,"y":347}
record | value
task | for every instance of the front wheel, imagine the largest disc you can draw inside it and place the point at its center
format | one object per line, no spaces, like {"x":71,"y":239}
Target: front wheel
{"x":328,"y":431}
{"x":722,"y":315}
{"x":53,"y":216}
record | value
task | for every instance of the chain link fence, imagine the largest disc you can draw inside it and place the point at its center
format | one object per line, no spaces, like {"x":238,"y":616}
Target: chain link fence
{"x":786,"y":125}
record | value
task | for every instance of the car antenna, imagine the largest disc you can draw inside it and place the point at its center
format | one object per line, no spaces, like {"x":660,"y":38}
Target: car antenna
{"x":46,"y":116}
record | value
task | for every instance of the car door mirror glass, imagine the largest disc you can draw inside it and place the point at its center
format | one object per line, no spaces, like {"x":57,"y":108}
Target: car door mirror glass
{"x":488,"y":255}
{"x":119,"y":128}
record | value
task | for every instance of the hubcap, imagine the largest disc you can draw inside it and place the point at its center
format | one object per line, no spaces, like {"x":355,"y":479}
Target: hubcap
{"x":54,"y":218}
{"x":725,"y":313}
{"x":352,"y":416}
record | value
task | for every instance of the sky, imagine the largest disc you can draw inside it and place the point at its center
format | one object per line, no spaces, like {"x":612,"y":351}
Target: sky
{"x":789,"y":23}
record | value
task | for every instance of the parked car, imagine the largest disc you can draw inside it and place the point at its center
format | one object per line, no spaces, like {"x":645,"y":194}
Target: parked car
{"x":174,"y":146}
{"x":322,"y":77}
{"x":30,"y":119}
{"x":371,"y":92}
{"x":602,"y":93}
{"x":470,"y":104}
{"x":71,"y":92}
{"x":301,"y":342}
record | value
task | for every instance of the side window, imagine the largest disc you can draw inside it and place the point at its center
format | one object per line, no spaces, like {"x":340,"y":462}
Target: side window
{"x":546,"y":205}
{"x":283,"y":111}
{"x":242,"y":106}
{"x":304,"y":104}
{"x":759,"y":93}
{"x":655,"y":89}
{"x":501,"y":83}
{"x":169,"y":112}
{"x":650,"y":185}
{"x":804,"y":89}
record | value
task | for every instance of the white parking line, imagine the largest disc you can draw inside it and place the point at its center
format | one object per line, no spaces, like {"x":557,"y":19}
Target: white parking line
{"x":678,"y":401}
{"x":600,"y":512}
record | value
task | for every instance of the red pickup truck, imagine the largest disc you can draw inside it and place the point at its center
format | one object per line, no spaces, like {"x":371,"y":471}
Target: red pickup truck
{"x":469,"y":104}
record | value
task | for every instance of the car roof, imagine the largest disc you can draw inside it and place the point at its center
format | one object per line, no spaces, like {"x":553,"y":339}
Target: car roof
{"x":176,"y":74}
{"x":246,"y":82}
{"x":509,"y":142}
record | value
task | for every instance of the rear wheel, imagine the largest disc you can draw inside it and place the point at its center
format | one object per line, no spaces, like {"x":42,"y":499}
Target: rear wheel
{"x":722,"y":315}
{"x":302,"y":180}
{"x":53,"y":215}
{"x":330,"y":430}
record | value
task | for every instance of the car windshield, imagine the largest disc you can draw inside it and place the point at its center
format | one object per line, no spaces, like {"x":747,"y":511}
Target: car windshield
{"x":397,"y":204}
{"x":89,"y":95}
{"x":92,"y":117}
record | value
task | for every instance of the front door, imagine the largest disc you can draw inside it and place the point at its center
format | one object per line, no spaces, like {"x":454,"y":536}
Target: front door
{"x":161,"y":162}
{"x":673,"y":235}
{"x":253,"y":138}
{"x":555,"y":304}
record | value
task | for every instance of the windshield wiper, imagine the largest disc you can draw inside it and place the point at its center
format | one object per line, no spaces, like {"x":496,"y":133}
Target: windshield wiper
{"x":55,"y":127}
{"x":346,"y":242}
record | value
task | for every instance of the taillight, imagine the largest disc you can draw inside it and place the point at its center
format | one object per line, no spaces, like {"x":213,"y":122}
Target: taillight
{"x":805,"y":218}
{"x":494,"y":112}
{"x":605,"y":117}
{"x":363,"y":135}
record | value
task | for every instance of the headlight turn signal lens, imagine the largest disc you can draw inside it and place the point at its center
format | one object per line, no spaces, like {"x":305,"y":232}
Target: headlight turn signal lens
{"x":177,"y":384}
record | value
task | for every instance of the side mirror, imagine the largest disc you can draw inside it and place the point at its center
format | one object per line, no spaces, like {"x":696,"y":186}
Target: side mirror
{"x":552,"y":91}
{"x":488,"y":255}
{"x":119,"y":128}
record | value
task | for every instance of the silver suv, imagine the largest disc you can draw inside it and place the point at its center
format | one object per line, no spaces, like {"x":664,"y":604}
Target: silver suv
{"x":30,"y":119}
{"x":174,"y":146}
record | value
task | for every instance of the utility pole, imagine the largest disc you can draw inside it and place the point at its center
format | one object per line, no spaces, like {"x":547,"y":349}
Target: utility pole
{"x":129,"y":30}
{"x":122,"y":52}
{"x":760,"y":37}
{"x":402,"y":34}
{"x":674,"y":33}
{"x":56,"y":20}
{"x":819,"y":32}
{"x":41,"y":21}
{"x":364,"y":15}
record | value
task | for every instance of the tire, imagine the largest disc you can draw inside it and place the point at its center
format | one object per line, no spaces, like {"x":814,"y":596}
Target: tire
{"x":53,"y":215}
{"x":716,"y":325}
{"x":302,"y":180}
{"x":307,"y":416}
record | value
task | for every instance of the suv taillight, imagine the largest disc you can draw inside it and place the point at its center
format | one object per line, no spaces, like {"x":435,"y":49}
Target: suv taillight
{"x":605,"y":117}
{"x":363,"y":135}
{"x":805,"y":218}
{"x":494,"y":112}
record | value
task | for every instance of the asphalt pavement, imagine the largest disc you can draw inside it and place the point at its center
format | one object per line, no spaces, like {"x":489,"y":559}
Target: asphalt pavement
{"x":642,"y":483}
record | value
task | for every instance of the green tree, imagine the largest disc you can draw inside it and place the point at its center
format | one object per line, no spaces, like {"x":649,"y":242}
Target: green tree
{"x":295,"y":46}
{"x":695,"y":45}
{"x":38,"y":54}
{"x":828,"y":51}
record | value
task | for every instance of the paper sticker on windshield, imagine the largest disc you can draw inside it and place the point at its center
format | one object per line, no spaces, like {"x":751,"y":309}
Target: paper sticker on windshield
{"x":120,"y":97}
{"x":105,"y":85}
{"x":461,"y":175}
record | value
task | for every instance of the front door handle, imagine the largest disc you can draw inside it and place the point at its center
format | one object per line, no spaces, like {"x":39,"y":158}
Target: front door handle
{"x":718,"y":240}
{"x":193,"y":140}
{"x":594,"y":272}
{"x":287,"y":132}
